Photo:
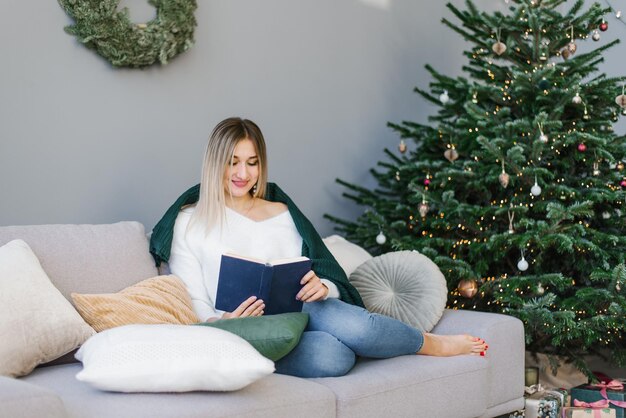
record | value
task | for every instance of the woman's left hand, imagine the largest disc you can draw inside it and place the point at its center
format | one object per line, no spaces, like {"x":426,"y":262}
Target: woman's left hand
{"x":313,"y":289}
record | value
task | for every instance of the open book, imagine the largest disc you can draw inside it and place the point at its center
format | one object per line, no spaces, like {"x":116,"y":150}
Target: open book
{"x":277,"y":282}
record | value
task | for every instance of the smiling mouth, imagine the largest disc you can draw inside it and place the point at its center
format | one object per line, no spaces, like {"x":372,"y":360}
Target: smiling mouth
{"x":240,"y":183}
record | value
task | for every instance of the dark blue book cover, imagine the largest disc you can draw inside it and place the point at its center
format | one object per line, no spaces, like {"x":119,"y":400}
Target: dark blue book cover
{"x":277,"y":283}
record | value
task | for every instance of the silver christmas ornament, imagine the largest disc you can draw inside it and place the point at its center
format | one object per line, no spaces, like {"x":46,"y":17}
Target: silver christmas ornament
{"x":596,"y":35}
{"x":402,"y":146}
{"x":522,"y":265}
{"x":606,"y":215}
{"x":577,"y":99}
{"x":444,"y":98}
{"x":381,"y":238}
{"x":536,"y":189}
{"x":540,"y":289}
{"x":543,"y":138}
{"x":621,"y":101}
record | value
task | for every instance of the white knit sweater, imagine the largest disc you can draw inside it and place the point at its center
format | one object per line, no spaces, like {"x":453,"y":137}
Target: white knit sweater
{"x":195,"y":258}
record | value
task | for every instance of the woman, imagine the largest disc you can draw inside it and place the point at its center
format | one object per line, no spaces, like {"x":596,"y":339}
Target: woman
{"x":238,"y":211}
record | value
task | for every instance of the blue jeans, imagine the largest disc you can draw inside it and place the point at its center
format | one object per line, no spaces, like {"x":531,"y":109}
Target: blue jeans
{"x":339,"y":332}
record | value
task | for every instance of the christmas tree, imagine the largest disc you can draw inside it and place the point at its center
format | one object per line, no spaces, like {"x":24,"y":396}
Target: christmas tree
{"x":516,"y":190}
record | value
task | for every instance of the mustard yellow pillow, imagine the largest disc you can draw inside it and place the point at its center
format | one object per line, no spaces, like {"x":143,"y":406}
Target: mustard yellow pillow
{"x":159,"y":300}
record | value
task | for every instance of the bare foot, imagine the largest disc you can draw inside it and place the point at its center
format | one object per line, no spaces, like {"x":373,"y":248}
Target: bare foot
{"x":452,"y":345}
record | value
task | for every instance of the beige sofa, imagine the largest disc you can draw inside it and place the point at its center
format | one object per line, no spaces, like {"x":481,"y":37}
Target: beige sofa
{"x":108,"y":258}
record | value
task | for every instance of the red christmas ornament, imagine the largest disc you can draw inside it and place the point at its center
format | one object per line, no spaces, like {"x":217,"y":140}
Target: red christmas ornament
{"x":604,"y":26}
{"x":426,"y":182}
{"x":582,"y":147}
{"x":623,"y":183}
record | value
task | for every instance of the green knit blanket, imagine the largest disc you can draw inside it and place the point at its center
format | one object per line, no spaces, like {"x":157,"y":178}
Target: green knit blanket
{"x":323,"y":262}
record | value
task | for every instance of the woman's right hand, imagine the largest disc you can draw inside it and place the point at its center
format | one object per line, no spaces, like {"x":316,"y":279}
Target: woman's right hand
{"x":249,"y":307}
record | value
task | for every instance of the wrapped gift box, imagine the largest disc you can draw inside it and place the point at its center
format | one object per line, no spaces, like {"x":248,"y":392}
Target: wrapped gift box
{"x":576,"y":412}
{"x":544,"y":404}
{"x":593,"y":393}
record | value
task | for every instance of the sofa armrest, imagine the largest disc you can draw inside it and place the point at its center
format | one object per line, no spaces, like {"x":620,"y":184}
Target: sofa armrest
{"x":25,"y":400}
{"x":505,"y":336}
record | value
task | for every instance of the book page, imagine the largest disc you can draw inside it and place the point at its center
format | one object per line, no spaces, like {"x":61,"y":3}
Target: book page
{"x":280,"y":261}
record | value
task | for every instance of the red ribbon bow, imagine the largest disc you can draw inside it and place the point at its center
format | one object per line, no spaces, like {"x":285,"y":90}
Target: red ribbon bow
{"x":613,"y":385}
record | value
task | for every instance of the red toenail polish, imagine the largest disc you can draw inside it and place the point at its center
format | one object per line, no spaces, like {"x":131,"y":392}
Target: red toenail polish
{"x":482,"y":353}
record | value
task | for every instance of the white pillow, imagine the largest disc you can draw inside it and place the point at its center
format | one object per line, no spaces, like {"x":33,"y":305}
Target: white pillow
{"x":37,"y":324}
{"x":348,"y":255}
{"x":170,"y":358}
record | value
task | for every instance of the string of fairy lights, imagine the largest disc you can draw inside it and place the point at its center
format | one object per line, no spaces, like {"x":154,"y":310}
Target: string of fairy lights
{"x":616,"y":11}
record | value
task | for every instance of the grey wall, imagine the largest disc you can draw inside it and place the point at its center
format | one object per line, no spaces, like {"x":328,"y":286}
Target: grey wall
{"x":81,"y":142}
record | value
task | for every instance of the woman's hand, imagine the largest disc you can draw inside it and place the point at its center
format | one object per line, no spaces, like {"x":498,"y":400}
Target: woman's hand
{"x":313,"y":289}
{"x":249,"y":307}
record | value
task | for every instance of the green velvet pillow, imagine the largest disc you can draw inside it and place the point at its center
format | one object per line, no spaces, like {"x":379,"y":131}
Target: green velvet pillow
{"x":274,"y":336}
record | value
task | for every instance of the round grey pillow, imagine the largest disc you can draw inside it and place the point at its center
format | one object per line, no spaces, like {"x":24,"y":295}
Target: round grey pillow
{"x":405,"y":285}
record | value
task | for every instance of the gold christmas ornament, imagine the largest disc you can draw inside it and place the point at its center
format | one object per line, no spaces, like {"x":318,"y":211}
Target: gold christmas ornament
{"x":596,"y":169}
{"x":504,"y":179}
{"x":423,"y":208}
{"x":468,"y":288}
{"x":565,"y":53}
{"x":451,"y":155}
{"x":499,"y":48}
{"x":620,"y":166}
{"x":571,"y":47}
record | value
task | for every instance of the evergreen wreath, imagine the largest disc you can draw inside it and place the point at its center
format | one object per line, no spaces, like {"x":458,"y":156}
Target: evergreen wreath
{"x":109,"y":31}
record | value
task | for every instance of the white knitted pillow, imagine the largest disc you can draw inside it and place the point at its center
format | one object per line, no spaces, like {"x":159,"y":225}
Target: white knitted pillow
{"x":170,"y":358}
{"x":405,"y":285}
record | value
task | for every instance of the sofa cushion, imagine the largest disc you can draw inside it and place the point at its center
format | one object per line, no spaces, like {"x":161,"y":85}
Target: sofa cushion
{"x":36,"y":323}
{"x":405,"y":285}
{"x":158,"y":300}
{"x":274,"y":336}
{"x":274,"y":396}
{"x":170,"y":358}
{"x":348,"y":255}
{"x":88,"y":258}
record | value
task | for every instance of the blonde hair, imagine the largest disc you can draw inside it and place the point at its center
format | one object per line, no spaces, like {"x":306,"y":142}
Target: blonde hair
{"x":219,"y":154}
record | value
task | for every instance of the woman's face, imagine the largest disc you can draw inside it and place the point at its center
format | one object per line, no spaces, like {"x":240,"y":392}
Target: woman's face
{"x":243,"y":174}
